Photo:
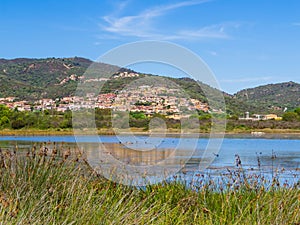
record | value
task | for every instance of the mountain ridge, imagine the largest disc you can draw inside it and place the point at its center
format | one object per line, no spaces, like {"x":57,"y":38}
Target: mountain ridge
{"x":32,"y":78}
{"x":277,"y":95}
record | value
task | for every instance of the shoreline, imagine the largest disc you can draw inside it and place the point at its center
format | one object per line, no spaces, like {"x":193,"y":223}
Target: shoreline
{"x":263,"y":133}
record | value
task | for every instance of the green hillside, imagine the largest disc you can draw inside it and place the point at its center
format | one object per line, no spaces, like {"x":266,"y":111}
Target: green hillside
{"x":272,"y":97}
{"x":35,"y":78}
{"x":31,"y":79}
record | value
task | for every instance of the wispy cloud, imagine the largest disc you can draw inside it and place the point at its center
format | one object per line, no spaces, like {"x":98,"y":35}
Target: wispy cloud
{"x":217,"y":31}
{"x":121,"y":5}
{"x":141,"y":25}
{"x":213,"y":53}
{"x":296,"y":24}
{"x":247,"y":79}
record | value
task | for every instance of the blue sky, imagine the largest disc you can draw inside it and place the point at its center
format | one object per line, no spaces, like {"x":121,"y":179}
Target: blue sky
{"x":246,"y":43}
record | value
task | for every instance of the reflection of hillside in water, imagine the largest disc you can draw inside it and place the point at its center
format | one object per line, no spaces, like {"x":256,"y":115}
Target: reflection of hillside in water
{"x":127,"y":155}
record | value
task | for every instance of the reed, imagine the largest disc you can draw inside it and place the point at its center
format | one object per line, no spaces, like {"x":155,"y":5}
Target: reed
{"x":56,"y":186}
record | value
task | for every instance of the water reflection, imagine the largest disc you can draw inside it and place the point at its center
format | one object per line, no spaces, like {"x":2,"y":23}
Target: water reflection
{"x":265,"y":157}
{"x":127,"y":155}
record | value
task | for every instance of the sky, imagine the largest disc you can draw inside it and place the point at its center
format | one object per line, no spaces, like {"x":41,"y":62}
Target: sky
{"x":245,"y":43}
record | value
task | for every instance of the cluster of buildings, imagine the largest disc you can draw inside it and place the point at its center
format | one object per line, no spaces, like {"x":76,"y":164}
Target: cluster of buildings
{"x":125,"y":74}
{"x":74,"y":77}
{"x":39,"y":105}
{"x":153,"y":99}
{"x":257,"y":117}
{"x":148,"y":99}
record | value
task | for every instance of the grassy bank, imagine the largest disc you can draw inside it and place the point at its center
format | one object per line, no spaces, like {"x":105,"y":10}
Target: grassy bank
{"x":108,"y":131}
{"x":45,"y":132}
{"x":36,"y":132}
{"x":58,"y":187}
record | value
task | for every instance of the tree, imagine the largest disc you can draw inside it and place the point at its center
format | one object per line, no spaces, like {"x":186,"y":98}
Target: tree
{"x":18,"y":123}
{"x":4,"y":121}
{"x":4,"y":111}
{"x":290,"y":116}
{"x":138,"y":115}
{"x":297,"y":111}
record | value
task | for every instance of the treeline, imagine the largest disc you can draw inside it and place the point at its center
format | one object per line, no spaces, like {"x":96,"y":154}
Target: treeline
{"x":243,"y":125}
{"x":104,"y":118}
{"x":50,"y":119}
{"x":14,"y":119}
{"x":290,"y":120}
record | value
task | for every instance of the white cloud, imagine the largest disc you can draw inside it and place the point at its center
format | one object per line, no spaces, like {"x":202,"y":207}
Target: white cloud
{"x":140,"y":25}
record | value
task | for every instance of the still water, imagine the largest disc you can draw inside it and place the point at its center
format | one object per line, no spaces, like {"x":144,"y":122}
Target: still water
{"x":267,"y":156}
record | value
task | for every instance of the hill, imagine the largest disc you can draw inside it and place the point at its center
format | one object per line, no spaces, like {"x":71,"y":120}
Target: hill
{"x":272,"y":97}
{"x":31,"y":79}
{"x":233,"y":105}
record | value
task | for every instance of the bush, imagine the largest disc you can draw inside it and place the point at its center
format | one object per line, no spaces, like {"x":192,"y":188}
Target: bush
{"x":18,"y":124}
{"x":290,"y":116}
{"x":4,"y":121}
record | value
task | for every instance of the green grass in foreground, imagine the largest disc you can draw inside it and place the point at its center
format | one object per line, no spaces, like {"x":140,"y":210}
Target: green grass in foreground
{"x":60,"y":188}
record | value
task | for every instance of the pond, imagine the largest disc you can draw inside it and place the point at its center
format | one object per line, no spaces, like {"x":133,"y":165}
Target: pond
{"x":268,"y":157}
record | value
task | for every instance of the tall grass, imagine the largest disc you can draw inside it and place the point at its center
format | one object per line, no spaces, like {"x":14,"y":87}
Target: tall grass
{"x":51,"y":186}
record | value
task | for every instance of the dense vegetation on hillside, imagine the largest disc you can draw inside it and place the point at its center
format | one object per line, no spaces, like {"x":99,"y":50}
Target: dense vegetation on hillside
{"x":234,"y":107}
{"x":35,"y":78}
{"x":271,"y":96}
{"x":30,"y":79}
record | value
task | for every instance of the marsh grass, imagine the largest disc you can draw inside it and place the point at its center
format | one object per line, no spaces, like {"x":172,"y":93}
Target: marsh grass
{"x":57,"y":186}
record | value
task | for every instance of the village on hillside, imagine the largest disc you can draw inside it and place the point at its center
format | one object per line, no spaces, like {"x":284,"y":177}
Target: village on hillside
{"x":147,"y":99}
